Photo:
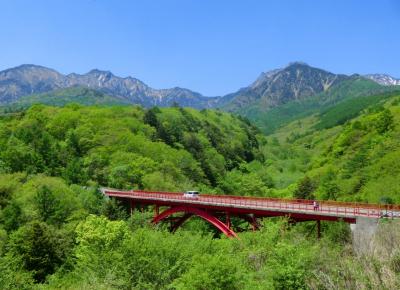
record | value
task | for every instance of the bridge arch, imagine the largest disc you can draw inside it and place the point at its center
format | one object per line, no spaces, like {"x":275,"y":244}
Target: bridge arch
{"x":190,"y":211}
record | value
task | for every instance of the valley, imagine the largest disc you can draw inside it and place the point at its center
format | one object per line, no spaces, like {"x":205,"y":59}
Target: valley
{"x":289,"y":138}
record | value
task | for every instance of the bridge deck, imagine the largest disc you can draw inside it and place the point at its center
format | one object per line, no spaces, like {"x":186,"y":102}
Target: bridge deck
{"x":327,"y":210}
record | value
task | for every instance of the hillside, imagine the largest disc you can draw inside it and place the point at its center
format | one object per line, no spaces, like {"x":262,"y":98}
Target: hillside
{"x":167,"y":149}
{"x":205,"y":149}
{"x":268,"y":119}
{"x":58,"y":231}
{"x":177,"y":149}
{"x":298,"y":90}
{"x":62,"y":97}
{"x":350,"y":152}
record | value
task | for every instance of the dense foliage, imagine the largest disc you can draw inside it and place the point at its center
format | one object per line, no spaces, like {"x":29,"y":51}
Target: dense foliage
{"x":58,"y":231}
{"x":126,"y":147}
{"x":356,"y":161}
{"x":62,"y":97}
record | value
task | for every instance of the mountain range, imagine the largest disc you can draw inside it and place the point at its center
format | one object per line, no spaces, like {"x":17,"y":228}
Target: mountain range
{"x":33,"y":79}
{"x":273,"y":99}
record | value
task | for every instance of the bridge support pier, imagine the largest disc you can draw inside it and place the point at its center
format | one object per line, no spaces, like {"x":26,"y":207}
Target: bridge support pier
{"x":156,"y":211}
{"x":363,"y":234}
{"x":252,"y":220}
{"x":318,"y":229}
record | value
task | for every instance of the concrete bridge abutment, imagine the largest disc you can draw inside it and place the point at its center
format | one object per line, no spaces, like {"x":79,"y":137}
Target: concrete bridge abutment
{"x":363,"y":234}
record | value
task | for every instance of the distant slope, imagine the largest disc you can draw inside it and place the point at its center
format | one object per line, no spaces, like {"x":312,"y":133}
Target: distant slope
{"x":350,"y":108}
{"x":268,"y":120}
{"x":61,"y":97}
{"x":355,"y":161}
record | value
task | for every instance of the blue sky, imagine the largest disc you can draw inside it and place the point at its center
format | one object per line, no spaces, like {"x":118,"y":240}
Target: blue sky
{"x":210,"y":46}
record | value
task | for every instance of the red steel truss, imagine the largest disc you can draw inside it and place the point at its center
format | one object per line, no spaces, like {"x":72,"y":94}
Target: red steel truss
{"x":210,"y":207}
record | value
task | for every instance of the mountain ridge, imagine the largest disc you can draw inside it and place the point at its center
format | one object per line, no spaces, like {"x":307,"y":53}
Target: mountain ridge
{"x":296,"y":82}
{"x":383,"y":79}
{"x":30,"y":79}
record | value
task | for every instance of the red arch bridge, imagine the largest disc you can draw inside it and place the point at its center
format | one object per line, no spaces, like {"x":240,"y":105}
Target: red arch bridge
{"x":218,"y":209}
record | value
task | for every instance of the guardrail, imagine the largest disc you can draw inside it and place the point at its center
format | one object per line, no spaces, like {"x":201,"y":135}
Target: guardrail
{"x":326,"y":207}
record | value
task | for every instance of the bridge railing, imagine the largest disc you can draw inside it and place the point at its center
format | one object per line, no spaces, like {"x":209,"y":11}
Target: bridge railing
{"x":331,"y":207}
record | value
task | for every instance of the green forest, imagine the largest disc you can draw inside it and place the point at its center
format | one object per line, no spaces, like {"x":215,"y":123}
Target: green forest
{"x":57,"y":230}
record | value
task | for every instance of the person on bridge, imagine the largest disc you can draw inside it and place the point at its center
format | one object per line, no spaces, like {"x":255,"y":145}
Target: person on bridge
{"x":316,"y":205}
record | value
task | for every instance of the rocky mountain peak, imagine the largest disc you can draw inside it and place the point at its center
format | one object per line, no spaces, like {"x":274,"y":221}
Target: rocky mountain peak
{"x":29,"y":70}
{"x":98,"y":72}
{"x":296,"y":81}
{"x":27,"y":79}
{"x":297,"y":63}
{"x":384,"y":79}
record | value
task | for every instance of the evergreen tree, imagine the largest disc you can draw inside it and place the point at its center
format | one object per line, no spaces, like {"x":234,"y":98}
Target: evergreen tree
{"x":305,"y":189}
{"x":384,"y":121}
{"x":39,"y":249}
{"x":150,"y":117}
{"x":46,"y":203}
